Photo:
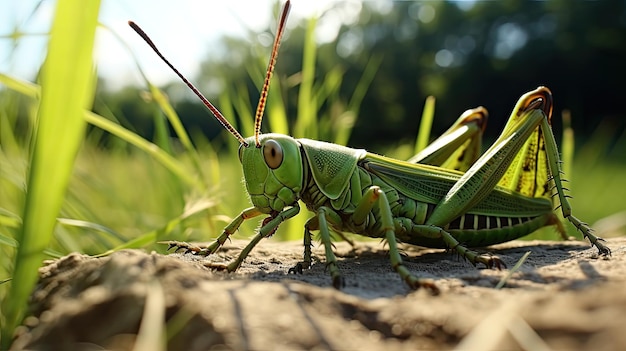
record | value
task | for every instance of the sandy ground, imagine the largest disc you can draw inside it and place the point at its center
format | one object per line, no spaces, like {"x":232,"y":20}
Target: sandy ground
{"x":563,"y":297}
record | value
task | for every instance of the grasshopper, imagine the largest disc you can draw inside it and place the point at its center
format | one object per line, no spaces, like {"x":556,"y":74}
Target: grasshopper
{"x":447,"y":196}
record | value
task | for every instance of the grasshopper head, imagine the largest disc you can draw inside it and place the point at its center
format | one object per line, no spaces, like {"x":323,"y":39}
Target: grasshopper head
{"x":272,"y":171}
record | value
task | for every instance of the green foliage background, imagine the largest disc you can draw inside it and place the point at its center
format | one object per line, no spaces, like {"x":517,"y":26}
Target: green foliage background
{"x":149,"y":168}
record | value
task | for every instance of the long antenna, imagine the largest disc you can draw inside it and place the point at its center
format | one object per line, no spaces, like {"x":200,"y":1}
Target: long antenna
{"x":218,"y":115}
{"x":268,"y":74}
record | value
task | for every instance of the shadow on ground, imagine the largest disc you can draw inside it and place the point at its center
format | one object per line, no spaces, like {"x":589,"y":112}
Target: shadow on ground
{"x":562,"y":297}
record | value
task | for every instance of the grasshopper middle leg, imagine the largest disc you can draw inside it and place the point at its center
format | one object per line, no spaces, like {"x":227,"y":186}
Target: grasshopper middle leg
{"x":374,"y":195}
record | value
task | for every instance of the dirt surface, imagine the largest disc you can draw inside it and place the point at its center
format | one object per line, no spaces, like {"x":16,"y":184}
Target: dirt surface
{"x":562,"y":298}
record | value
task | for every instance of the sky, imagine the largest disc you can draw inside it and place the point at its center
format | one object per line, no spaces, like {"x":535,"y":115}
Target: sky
{"x":184,"y":30}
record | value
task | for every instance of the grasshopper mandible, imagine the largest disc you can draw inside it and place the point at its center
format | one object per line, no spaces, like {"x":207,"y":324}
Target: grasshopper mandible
{"x":444,"y":197}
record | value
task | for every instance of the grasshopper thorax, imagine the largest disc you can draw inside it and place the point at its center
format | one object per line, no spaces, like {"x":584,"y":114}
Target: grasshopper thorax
{"x":272,"y":172}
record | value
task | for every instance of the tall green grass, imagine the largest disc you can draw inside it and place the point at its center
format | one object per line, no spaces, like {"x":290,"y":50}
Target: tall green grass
{"x":57,"y":135}
{"x":39,"y":216}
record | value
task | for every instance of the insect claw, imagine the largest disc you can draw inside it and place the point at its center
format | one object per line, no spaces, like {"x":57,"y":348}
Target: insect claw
{"x":491,"y":261}
{"x":338,"y":282}
{"x":427,"y":284}
{"x":170,"y":244}
{"x":297,"y":269}
{"x":434,"y":290}
{"x":603,"y":251}
{"x":217,"y":267}
{"x":498,"y":263}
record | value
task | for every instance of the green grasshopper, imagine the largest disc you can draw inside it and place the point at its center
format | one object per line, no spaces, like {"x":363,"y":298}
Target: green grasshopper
{"x":444,"y":197}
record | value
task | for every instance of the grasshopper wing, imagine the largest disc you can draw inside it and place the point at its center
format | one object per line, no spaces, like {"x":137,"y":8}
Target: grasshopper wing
{"x":430,"y":184}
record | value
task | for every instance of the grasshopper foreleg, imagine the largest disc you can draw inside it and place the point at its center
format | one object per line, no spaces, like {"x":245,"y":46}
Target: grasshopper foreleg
{"x":266,"y":230}
{"x":230,"y":229}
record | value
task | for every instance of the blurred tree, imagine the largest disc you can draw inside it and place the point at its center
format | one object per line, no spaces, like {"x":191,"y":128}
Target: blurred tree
{"x":465,"y":53}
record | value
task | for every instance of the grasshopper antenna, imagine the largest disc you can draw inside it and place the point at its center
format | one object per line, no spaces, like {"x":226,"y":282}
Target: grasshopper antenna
{"x":268,"y":75}
{"x":218,"y":115}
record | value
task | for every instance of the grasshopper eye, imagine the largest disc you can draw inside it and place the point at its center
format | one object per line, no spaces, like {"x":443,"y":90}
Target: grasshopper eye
{"x":273,"y":154}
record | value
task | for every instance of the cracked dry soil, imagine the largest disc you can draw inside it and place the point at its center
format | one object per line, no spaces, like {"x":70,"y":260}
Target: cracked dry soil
{"x":562,"y":298}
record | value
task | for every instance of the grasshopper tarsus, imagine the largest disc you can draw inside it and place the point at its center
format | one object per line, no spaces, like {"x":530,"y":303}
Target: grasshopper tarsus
{"x":220,"y":267}
{"x":496,"y":263}
{"x":338,"y":282}
{"x":603,"y":250}
{"x":337,"y":279}
{"x":297,"y":269}
{"x":170,"y":244}
{"x":186,"y":248}
{"x":427,"y":284}
{"x":490,"y":261}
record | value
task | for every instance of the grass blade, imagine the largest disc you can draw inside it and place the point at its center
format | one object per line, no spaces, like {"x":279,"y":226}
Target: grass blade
{"x":306,"y":125}
{"x":515,"y":268}
{"x":21,"y":86}
{"x":9,"y":219}
{"x":67,"y":89}
{"x":354,"y":106}
{"x":567,"y":145}
{"x":91,"y":226}
{"x":426,"y":122}
{"x":277,"y":110}
{"x":153,"y":236}
{"x":159,"y":154}
{"x":178,"y":127}
{"x":151,"y":335}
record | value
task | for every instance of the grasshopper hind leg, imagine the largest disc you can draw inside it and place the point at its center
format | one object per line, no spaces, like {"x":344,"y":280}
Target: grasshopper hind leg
{"x":490,"y":261}
{"x":435,"y":232}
